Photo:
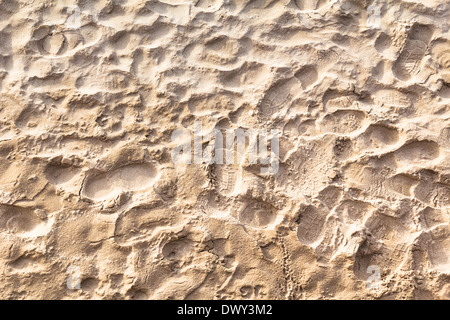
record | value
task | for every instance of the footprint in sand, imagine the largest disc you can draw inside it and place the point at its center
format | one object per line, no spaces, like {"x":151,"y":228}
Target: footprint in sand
{"x":409,"y":62}
{"x":387,"y":259}
{"x":307,"y":75}
{"x":441,"y":53}
{"x":305,"y":5}
{"x":430,"y":217}
{"x":226,"y":175}
{"x":257,"y":214}
{"x":417,"y":152}
{"x":112,"y":81}
{"x":383,"y":42}
{"x":436,"y":222}
{"x":311,"y":223}
{"x":128,"y":178}
{"x":49,"y":41}
{"x":377,"y":138}
{"x":330,"y":196}
{"x":387,"y":248}
{"x":393,"y":98}
{"x":387,"y":229}
{"x":433,"y":193}
{"x":177,"y":250}
{"x":444,"y":92}
{"x":308,"y":128}
{"x":277,"y":98}
{"x":439,"y":247}
{"x":402,"y":184}
{"x":26,"y":264}
{"x":138,"y":224}
{"x":344,"y":121}
{"x":60,"y":175}
{"x":353,"y":211}
{"x":22,"y":222}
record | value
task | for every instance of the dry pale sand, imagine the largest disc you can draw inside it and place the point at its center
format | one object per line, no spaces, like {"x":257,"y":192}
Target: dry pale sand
{"x":93,"y":207}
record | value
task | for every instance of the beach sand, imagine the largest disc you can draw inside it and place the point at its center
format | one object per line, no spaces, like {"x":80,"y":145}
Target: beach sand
{"x":93,"y":206}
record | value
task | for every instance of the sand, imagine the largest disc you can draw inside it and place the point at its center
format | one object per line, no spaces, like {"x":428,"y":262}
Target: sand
{"x":354,"y":94}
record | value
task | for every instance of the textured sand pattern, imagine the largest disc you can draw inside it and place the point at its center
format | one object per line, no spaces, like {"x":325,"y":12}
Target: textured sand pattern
{"x":93,"y":207}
